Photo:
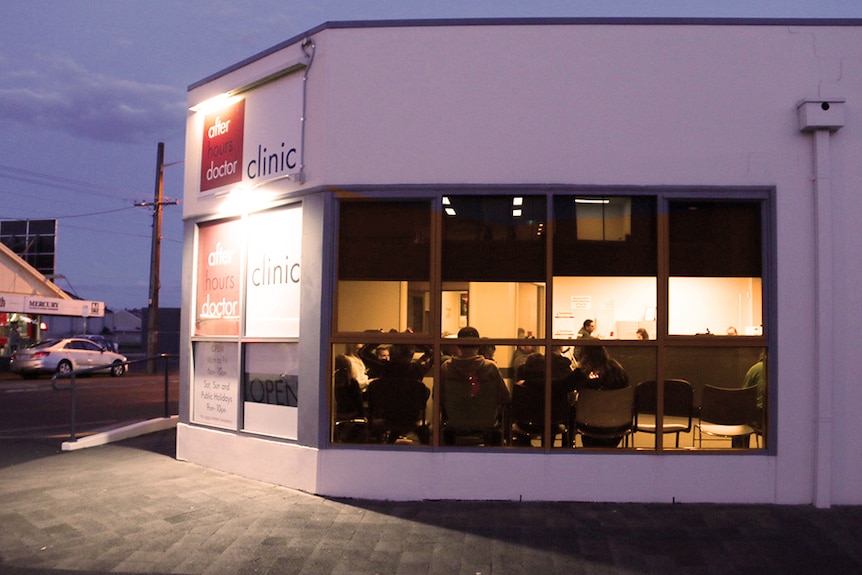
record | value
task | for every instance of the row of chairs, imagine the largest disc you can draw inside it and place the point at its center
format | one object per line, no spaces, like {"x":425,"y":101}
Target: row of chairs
{"x":723,"y":413}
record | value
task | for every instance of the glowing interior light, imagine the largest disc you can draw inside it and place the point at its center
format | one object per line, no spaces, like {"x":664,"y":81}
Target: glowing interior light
{"x":592,"y":201}
{"x":215,"y":103}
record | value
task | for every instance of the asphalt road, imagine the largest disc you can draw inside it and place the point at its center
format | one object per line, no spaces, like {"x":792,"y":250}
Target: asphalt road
{"x":32,"y":408}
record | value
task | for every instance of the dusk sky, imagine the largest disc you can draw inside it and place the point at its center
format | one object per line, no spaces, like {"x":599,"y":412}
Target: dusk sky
{"x":89,"y":87}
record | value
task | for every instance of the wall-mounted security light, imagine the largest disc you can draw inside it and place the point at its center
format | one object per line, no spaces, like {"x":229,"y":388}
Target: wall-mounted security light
{"x":821,"y":114}
{"x":215,"y":103}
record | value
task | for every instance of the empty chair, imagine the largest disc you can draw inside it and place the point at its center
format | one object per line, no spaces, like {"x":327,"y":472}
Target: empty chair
{"x":678,"y":407}
{"x":727,"y":412}
{"x":604,"y":417}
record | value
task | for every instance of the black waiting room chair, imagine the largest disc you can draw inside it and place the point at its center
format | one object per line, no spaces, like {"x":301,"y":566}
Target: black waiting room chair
{"x":678,"y":406}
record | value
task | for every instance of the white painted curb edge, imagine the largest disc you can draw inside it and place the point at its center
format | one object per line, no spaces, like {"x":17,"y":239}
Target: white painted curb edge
{"x":121,"y":433}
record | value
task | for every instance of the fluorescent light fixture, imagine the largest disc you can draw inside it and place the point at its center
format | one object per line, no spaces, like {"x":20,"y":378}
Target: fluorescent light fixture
{"x":518,"y":201}
{"x":215,"y":103}
{"x":516,"y":213}
{"x":592,"y":201}
{"x":450,"y":211}
{"x":446,"y":201}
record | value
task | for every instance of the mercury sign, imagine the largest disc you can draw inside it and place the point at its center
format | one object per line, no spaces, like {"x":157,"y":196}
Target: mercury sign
{"x":273,"y":273}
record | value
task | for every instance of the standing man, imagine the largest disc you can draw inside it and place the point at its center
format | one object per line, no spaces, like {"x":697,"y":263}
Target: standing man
{"x":586,"y":332}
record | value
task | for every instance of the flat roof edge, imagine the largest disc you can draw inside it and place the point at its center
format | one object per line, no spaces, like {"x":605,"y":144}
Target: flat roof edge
{"x":551,"y":21}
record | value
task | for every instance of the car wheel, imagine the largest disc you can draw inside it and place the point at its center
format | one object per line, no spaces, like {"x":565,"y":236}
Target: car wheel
{"x":64,"y":367}
{"x":117,"y":369}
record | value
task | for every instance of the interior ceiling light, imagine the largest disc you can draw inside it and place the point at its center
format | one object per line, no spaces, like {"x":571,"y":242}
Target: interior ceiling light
{"x":592,"y":201}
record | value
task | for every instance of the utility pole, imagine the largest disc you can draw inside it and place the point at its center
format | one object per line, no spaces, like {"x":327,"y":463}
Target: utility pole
{"x":155,"y":258}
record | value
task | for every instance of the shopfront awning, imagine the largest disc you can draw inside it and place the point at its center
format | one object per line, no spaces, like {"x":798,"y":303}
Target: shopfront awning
{"x":33,"y":304}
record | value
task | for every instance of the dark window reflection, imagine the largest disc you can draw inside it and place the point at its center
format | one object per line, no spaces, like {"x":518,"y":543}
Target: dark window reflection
{"x":604,"y":236}
{"x":715,"y":239}
{"x":384,"y":240}
{"x":494,"y":238}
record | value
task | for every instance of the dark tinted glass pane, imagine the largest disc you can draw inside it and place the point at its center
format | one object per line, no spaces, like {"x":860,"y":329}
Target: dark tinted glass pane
{"x":494,"y":238}
{"x":43,"y":226}
{"x":715,"y":239}
{"x":45,"y":244}
{"x":13,"y":227}
{"x":384,"y":240}
{"x":604,"y":236}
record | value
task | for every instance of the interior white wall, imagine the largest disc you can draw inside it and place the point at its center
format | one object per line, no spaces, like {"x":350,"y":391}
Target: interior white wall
{"x":714,"y":304}
{"x":492,"y":306}
{"x":606,"y":300}
{"x":370,"y":305}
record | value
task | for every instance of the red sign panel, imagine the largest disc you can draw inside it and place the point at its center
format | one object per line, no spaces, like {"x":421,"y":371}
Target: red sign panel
{"x":221,"y":162}
{"x":218,"y":274}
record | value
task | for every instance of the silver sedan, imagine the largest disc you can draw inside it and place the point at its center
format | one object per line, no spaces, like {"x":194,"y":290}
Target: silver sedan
{"x":66,"y":355}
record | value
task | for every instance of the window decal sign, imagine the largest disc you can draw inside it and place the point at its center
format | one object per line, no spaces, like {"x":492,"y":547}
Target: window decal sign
{"x":216,"y":387}
{"x":273,"y":273}
{"x":217,"y":306}
{"x":246,"y":143}
{"x":272,"y":142}
{"x":222,"y":154}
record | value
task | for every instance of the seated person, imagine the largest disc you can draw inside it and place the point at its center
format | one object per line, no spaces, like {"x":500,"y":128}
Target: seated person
{"x":382,"y":353}
{"x":377,"y":364}
{"x":397,"y":399}
{"x":597,"y":370}
{"x":754,"y":377}
{"x":528,"y":397}
{"x":520,"y":355}
{"x":352,"y":358}
{"x":473,"y":391}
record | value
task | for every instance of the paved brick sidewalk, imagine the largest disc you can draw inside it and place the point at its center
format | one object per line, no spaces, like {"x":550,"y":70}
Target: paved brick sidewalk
{"x":131,"y":508}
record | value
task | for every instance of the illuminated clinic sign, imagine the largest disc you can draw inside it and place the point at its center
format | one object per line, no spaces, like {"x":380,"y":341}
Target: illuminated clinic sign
{"x":221,"y":164}
{"x":254,"y":139}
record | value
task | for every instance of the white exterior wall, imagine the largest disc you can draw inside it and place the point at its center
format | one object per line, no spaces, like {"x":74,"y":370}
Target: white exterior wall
{"x":610,"y":105}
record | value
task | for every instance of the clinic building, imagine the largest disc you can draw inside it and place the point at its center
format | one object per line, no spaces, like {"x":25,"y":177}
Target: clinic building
{"x":365,"y":190}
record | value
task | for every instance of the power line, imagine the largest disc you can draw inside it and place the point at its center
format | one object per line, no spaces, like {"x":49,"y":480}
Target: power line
{"x":48,"y":180}
{"x":127,"y":234}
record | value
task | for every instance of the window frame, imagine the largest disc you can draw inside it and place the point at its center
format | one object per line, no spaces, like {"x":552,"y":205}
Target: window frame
{"x":660,"y":342}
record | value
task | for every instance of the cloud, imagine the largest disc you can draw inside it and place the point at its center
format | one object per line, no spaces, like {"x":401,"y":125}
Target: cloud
{"x":59,"y":94}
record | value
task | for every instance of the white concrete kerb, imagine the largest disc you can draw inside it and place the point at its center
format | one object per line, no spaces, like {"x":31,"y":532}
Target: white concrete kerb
{"x":109,"y":435}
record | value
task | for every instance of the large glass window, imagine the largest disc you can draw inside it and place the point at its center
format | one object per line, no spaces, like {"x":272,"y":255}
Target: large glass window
{"x":384,"y":264}
{"x":546,"y":320}
{"x":715,"y":259}
{"x":605,"y":266}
